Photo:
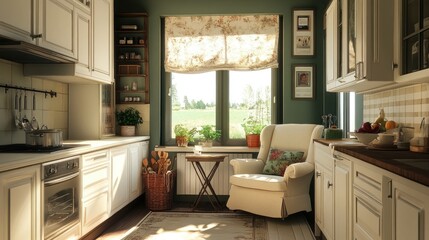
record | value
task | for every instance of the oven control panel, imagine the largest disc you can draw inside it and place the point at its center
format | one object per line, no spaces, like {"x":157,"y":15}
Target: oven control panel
{"x":59,"y":168}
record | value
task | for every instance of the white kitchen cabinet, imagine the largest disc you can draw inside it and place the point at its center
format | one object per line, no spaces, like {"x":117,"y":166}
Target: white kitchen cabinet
{"x":17,"y":19}
{"x":119,"y":182}
{"x":410,"y":210}
{"x":136,"y":153}
{"x":342,"y":197}
{"x":324,"y":193}
{"x":364,"y":45}
{"x":93,"y":41}
{"x":83,"y":38}
{"x":95,"y":175}
{"x":102,"y":42}
{"x":411,"y":42}
{"x":331,"y":56}
{"x":57,"y":26}
{"x":20,"y":201}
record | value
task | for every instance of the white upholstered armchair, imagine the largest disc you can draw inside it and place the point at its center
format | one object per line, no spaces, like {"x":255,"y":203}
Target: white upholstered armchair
{"x":271,"y":195}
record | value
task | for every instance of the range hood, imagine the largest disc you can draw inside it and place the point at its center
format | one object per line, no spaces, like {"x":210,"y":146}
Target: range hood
{"x":27,"y":53}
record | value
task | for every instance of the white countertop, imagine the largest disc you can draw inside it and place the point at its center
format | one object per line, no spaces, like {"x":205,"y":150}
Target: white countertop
{"x":9,"y":161}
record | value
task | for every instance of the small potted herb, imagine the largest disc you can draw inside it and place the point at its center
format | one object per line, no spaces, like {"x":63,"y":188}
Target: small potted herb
{"x":128,"y":119}
{"x":252,"y":128}
{"x":184,"y":135}
{"x":209,"y":134}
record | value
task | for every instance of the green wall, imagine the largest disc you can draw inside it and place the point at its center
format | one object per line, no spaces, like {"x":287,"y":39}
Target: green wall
{"x":294,"y":111}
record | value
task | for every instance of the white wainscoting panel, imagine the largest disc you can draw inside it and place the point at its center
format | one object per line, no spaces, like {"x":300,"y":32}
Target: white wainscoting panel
{"x":188,"y":182}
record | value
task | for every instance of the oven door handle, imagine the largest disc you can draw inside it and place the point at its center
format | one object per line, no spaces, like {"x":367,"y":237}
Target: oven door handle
{"x":63,"y":179}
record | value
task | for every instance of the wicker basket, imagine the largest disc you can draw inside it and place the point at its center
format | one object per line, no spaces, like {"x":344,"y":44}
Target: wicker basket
{"x":159,"y":190}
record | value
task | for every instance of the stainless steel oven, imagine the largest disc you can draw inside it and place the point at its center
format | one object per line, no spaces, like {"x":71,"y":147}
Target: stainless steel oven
{"x":61,"y":198}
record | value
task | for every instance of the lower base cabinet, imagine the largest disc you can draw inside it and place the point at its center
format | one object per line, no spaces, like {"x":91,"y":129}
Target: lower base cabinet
{"x":20,"y":201}
{"x":410,"y":211}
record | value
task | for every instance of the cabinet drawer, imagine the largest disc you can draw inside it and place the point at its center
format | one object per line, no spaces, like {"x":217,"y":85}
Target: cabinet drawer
{"x":94,"y":180}
{"x":368,"y":181}
{"x":94,"y":211}
{"x":323,"y":156}
{"x":92,"y":159}
{"x":367,"y":216}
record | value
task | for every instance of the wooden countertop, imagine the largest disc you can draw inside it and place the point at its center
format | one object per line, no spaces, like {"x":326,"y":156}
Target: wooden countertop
{"x":410,"y":165}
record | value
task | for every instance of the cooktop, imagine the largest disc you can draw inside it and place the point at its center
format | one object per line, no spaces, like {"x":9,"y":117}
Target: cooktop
{"x":24,"y":148}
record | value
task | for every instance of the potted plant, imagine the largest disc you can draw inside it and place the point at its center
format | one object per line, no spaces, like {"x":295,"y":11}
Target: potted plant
{"x":184,"y":135}
{"x":128,"y":119}
{"x":209,"y":134}
{"x":252,"y":128}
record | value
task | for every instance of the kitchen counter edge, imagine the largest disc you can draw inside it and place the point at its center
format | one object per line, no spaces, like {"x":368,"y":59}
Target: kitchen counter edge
{"x":386,"y":163}
{"x":10,"y":161}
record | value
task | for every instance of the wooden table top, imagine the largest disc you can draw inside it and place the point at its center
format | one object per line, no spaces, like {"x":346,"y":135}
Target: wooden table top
{"x":206,"y":157}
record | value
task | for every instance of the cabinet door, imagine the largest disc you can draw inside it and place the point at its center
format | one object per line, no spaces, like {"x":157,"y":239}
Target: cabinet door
{"x":56,"y":22}
{"x":119,"y":178}
{"x":135,"y":160}
{"x":328,"y":205}
{"x":331,"y":45}
{"x":83,"y":38}
{"x":20,"y":203}
{"x":409,"y":212}
{"x":102,"y":56}
{"x":17,"y":19}
{"x":342,"y":199}
{"x":367,"y":217}
{"x":318,"y":195}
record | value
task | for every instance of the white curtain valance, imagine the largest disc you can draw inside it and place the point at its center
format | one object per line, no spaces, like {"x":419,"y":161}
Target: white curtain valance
{"x":210,"y":43}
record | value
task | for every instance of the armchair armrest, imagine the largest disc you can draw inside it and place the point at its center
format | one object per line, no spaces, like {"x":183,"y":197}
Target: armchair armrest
{"x":297,"y":170}
{"x":246,"y":165}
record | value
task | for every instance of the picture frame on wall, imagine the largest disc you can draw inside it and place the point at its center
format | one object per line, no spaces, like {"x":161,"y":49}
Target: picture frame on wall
{"x":303,"y":81}
{"x":303,"y":33}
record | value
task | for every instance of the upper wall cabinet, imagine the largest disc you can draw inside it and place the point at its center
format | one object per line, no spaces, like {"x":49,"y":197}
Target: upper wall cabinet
{"x":93,"y":41}
{"x":50,"y":25}
{"x":359,"y":45}
{"x":411,"y":34}
{"x":17,"y":19}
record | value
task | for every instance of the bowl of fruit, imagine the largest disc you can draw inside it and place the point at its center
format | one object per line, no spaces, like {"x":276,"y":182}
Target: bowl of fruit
{"x":367,"y":132}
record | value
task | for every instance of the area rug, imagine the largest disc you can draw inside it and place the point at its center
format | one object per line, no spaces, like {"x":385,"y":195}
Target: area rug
{"x":199,"y":226}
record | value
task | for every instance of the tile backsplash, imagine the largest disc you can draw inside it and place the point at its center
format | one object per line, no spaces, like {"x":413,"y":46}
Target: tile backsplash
{"x":52,"y":112}
{"x":405,"y":105}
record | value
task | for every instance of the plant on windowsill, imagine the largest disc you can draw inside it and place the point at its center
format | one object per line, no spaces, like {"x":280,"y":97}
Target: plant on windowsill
{"x":184,"y":135}
{"x":128,"y":119}
{"x":252,"y":128}
{"x":209,"y":134}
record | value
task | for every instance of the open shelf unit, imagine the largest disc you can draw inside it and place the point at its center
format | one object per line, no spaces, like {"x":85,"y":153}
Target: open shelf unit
{"x":131,"y":58}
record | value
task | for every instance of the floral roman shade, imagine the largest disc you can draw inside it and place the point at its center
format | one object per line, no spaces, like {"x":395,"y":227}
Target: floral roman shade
{"x":209,"y":43}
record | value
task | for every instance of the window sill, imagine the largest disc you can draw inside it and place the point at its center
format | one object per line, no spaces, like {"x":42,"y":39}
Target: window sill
{"x":215,"y":149}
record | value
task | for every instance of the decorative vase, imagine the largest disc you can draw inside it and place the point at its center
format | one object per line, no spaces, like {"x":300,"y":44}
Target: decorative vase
{"x":253,"y":140}
{"x":128,"y":130}
{"x":182,"y":141}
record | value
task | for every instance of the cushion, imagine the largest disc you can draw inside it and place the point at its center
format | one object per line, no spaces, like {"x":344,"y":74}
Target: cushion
{"x":278,"y":160}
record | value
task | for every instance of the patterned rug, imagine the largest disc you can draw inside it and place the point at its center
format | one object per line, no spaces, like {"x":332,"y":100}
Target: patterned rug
{"x":199,"y":226}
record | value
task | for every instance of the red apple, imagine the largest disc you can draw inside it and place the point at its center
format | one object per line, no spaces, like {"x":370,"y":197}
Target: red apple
{"x":366,"y":126}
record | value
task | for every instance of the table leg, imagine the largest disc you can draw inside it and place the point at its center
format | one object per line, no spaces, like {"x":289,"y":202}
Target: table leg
{"x":205,"y":181}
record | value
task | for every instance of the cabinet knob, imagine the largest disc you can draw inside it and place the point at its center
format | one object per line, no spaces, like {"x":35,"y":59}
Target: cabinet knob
{"x":394,"y":65}
{"x":329,"y":184}
{"x":318,"y":174}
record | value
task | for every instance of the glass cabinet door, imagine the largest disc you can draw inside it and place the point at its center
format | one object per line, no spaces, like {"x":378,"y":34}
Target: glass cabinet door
{"x":351,"y":36}
{"x":415,"y":35}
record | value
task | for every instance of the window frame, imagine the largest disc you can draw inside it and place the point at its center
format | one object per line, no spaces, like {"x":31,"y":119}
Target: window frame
{"x":222,"y":97}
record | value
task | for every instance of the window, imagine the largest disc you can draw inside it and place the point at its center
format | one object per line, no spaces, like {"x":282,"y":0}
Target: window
{"x":219,"y":74}
{"x":221,"y":98}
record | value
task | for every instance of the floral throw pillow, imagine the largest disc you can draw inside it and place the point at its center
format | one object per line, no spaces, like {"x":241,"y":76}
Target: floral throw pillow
{"x":279,"y":160}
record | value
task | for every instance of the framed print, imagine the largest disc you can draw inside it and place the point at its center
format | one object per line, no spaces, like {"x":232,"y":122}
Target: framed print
{"x":303,"y":81}
{"x":303,"y":33}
